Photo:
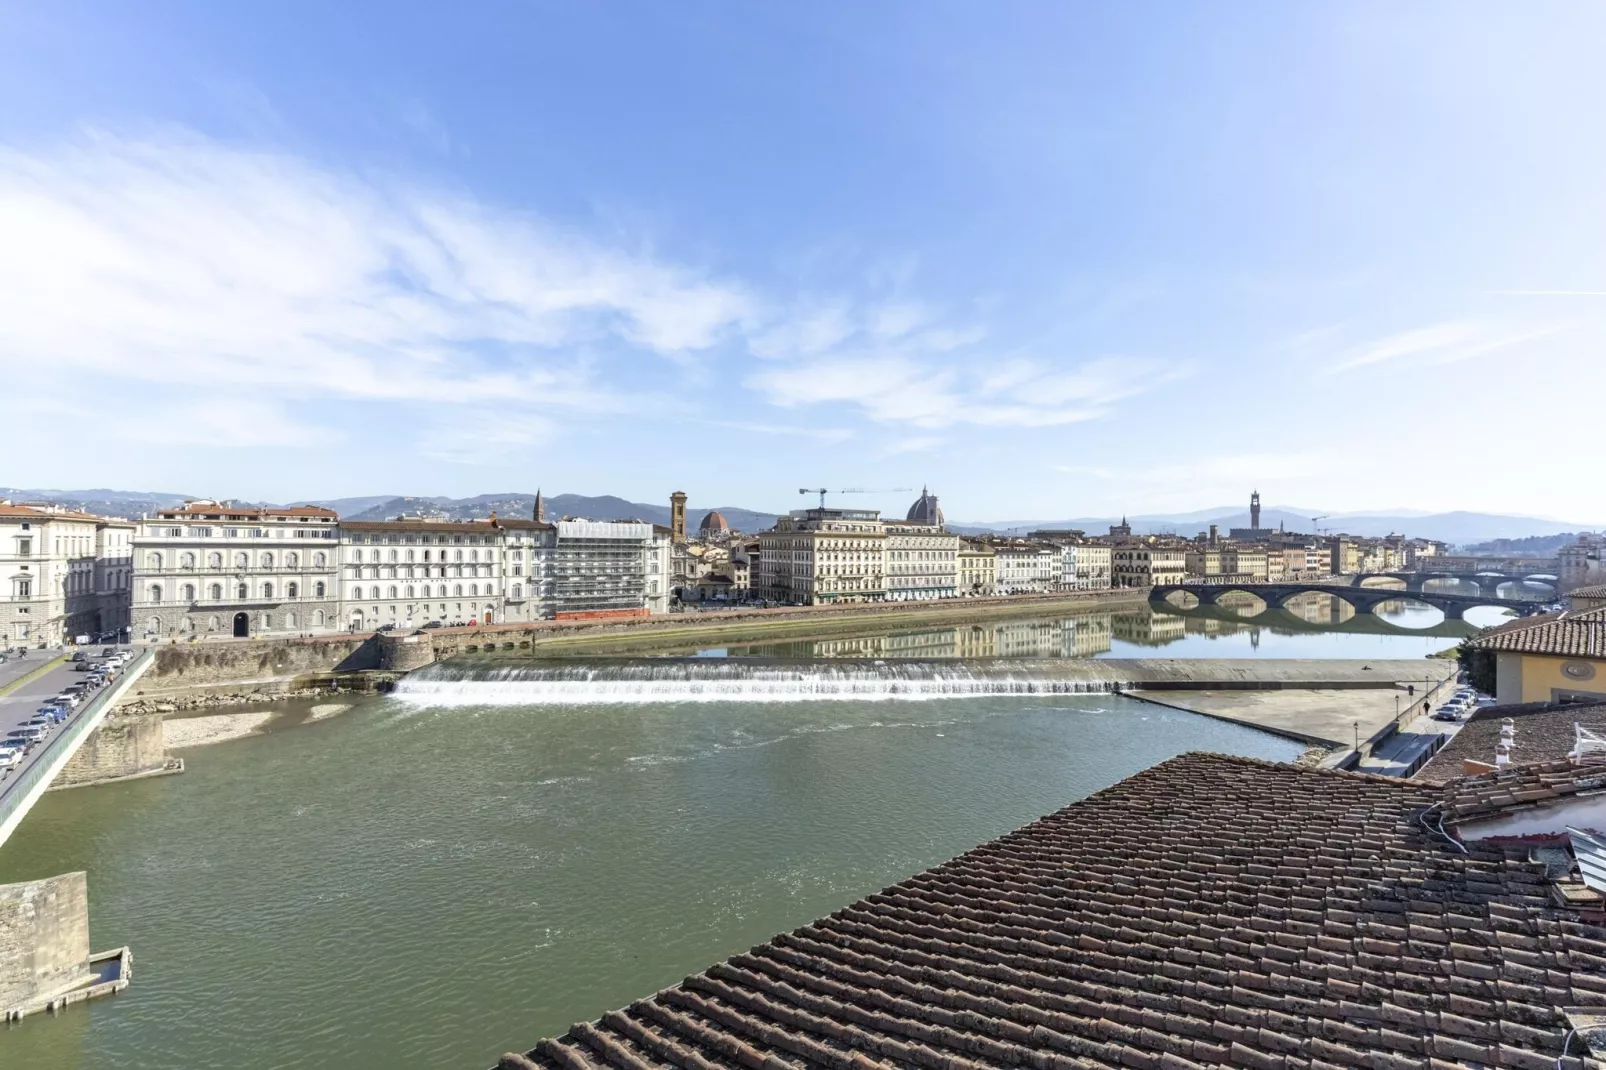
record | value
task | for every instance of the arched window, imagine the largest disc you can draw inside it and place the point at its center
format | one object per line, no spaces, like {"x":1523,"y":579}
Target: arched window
{"x":318,"y":619}
{"x":356,"y":555}
{"x":474,"y":590}
{"x":153,"y":626}
{"x":156,"y":592}
{"x":473,"y":555}
{"x":393,"y":592}
{"x":212,"y":624}
{"x":267,"y":560}
{"x":290,"y":621}
{"x":154,"y":560}
{"x":214,"y":560}
{"x":188,"y":560}
{"x":459,"y":555}
{"x":409,"y":592}
{"x":409,"y":555}
{"x":189,"y":592}
{"x":458,"y":590}
{"x":267,"y":590}
{"x":292,"y":560}
{"x":215,"y":592}
{"x":393,"y":556}
{"x":187,"y":626}
{"x":373,"y":592}
{"x":292,"y":590}
{"x":317,"y":589}
{"x":489,"y":589}
{"x":244,"y":591}
{"x":241,"y":560}
{"x":320,"y":559}
{"x":518,"y":591}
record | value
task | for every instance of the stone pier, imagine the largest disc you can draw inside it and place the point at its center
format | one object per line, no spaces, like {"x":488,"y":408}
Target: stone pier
{"x":125,"y":745}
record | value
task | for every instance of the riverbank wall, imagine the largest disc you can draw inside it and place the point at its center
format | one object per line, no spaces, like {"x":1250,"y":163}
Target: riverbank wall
{"x":44,"y":938}
{"x":269,"y":665}
{"x":128,"y":744}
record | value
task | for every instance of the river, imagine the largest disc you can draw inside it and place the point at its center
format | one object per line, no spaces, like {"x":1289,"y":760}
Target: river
{"x":426,"y":881}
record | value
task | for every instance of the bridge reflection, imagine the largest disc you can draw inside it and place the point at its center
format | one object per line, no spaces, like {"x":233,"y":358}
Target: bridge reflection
{"x":1290,"y":622}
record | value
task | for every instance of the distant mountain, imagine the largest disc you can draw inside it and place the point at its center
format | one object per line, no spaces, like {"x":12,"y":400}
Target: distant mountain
{"x":604,"y":507}
{"x":1532,"y":546}
{"x":1457,"y":528}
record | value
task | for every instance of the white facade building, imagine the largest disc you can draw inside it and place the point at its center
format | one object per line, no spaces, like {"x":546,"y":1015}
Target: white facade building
{"x":922,"y":561}
{"x":819,"y":556}
{"x":1027,"y":567}
{"x":62,"y":574}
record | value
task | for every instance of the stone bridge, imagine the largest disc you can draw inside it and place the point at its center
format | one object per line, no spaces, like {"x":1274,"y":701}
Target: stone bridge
{"x":1488,"y":580}
{"x":1287,"y":622}
{"x":1364,"y":599}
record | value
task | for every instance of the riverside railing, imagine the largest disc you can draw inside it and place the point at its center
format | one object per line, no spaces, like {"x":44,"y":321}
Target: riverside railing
{"x":18,"y":793}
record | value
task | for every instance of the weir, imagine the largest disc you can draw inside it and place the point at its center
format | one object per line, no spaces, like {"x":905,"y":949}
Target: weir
{"x":497,"y":683}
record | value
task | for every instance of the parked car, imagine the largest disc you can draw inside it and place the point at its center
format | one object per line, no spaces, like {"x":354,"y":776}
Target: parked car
{"x":31,"y":733}
{"x":433,"y":624}
{"x":79,"y":655}
{"x":10,"y":756}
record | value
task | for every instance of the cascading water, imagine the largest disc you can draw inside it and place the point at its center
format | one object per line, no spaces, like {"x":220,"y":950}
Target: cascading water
{"x":727,"y":680}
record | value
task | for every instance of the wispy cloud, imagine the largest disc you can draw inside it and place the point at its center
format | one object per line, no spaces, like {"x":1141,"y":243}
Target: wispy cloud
{"x":1443,"y":343}
{"x":221,"y":274}
{"x":897,"y":388}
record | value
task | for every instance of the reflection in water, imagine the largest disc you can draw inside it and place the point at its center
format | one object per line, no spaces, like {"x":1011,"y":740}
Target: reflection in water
{"x":1315,"y":625}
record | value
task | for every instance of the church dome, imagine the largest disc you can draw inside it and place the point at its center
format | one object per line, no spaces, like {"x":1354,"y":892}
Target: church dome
{"x":925,"y":511}
{"x":713,"y":524}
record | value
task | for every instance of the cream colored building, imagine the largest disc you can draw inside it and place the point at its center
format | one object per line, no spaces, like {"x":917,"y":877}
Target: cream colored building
{"x":922,"y":562}
{"x":1093,"y":567}
{"x":821,"y":556}
{"x":62,"y":574}
{"x":211,"y":568}
{"x":978,"y":568}
{"x":1025,"y":567}
{"x":1146,"y":565}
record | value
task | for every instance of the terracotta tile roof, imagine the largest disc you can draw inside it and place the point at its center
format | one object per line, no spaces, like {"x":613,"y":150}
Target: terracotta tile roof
{"x":36,"y":512}
{"x":224,"y":509}
{"x":1544,"y":733}
{"x":1581,"y":635}
{"x":477,"y":526}
{"x":1535,"y":785}
{"x":1597,"y":591}
{"x":1209,"y":911}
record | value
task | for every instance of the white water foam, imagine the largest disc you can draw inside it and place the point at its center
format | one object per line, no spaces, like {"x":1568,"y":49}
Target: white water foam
{"x":723,"y":682}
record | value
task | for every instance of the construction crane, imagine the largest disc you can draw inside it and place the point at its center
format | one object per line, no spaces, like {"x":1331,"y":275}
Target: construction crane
{"x":823,"y":491}
{"x":1316,"y":523}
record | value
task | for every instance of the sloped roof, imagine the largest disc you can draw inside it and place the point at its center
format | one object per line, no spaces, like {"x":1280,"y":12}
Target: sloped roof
{"x":1521,"y":786}
{"x":1211,"y":910}
{"x":1597,"y":591}
{"x":1544,"y":733}
{"x":1581,"y":635}
{"x":925,"y":509}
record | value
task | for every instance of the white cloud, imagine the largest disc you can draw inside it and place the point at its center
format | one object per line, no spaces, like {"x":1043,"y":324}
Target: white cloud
{"x":899,"y":389}
{"x":1443,"y":343}
{"x":226,"y":275}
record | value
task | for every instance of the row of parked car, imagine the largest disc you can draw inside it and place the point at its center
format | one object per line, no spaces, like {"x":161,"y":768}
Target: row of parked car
{"x":98,"y":673}
{"x":1462,"y":704}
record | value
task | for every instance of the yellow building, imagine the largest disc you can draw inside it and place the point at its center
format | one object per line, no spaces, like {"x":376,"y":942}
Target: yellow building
{"x":978,"y":568}
{"x":1583,"y":598}
{"x":1558,"y":658}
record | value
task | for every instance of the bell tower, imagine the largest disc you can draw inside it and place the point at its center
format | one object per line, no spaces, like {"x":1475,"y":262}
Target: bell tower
{"x":677,"y":516}
{"x":1254,"y":511}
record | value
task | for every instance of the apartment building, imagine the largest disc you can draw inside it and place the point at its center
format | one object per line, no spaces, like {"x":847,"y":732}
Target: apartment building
{"x":1145,"y":565}
{"x":821,"y":556}
{"x":977,"y":568}
{"x":1026,"y":567}
{"x":62,"y":574}
{"x":922,"y":561}
{"x":217,"y":568}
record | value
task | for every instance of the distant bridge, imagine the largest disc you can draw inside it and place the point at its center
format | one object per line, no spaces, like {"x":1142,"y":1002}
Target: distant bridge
{"x":1363,"y":599}
{"x":1488,"y":581}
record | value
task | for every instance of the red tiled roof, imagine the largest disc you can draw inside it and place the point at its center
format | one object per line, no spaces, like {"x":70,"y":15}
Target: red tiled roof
{"x":1209,"y":911}
{"x":1597,"y":591}
{"x":1521,"y":786}
{"x":195,"y":509}
{"x":1544,"y":732}
{"x":1580,"y":635}
{"x":35,"y":512}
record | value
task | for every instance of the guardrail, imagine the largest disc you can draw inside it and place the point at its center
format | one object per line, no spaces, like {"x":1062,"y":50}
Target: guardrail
{"x":18,"y":794}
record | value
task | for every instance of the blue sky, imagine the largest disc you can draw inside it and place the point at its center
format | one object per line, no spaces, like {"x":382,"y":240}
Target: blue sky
{"x":1052,"y":259}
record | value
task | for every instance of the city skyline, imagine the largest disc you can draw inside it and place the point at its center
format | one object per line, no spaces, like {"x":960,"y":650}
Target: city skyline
{"x":1075,"y":257}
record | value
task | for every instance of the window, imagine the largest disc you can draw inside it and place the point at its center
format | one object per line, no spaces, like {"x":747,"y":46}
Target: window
{"x":320,"y":559}
{"x":241,"y":560}
{"x":374,"y":593}
{"x":292,"y":590}
{"x":317,"y":589}
{"x":214,"y":560}
{"x":518,"y":591}
{"x":154,"y":561}
{"x":474,"y":590}
{"x":212,"y":624}
{"x":267,"y":590}
{"x":318,"y":619}
{"x":23,"y":588}
{"x":244,"y":591}
{"x":187,"y":561}
{"x":215,"y":592}
{"x":292,"y":560}
{"x":267,"y":560}
{"x":393,"y":592}
{"x":189,"y":592}
{"x":393,"y":556}
{"x":458,"y":590}
{"x":156,"y":592}
{"x":290,"y":620}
